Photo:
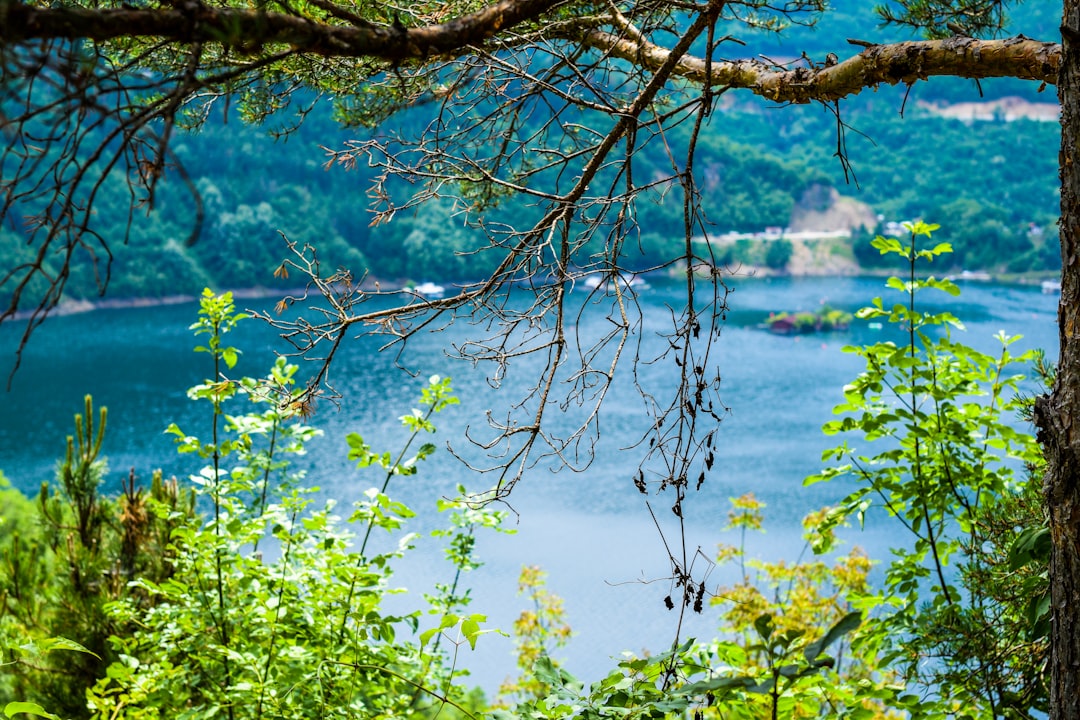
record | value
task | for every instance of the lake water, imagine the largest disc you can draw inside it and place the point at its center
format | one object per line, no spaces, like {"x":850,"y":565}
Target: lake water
{"x":590,"y":531}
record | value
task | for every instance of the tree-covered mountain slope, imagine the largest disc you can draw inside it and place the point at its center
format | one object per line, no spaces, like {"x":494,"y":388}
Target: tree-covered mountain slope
{"x":991,"y":183}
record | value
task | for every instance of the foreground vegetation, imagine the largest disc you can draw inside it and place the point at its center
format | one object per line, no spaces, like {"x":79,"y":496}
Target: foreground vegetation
{"x":238,"y":594}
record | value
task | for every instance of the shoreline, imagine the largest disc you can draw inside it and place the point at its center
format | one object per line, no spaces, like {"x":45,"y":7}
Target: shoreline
{"x":67,"y":307}
{"x":79,"y":306}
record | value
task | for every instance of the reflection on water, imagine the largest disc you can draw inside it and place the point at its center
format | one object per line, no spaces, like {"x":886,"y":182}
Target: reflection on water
{"x":591,"y":531}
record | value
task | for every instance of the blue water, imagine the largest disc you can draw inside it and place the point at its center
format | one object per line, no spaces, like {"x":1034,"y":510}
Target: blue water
{"x":591,"y":530}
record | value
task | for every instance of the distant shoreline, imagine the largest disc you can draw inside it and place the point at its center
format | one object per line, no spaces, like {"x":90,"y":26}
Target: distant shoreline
{"x":68,"y":307}
{"x":79,"y":306}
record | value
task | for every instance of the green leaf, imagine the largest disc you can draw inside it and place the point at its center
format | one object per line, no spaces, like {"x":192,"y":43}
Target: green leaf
{"x":38,"y":647}
{"x":845,"y":625}
{"x":794,"y":671}
{"x":430,"y":633}
{"x":947,"y":286}
{"x":921,"y":228}
{"x":886,"y":245}
{"x":470,"y":628}
{"x":1031,"y":545}
{"x":547,"y":672}
{"x":59,"y":643}
{"x":1039,"y":608}
{"x":897,"y":284}
{"x":14,"y":708}
{"x":764,"y":625}
{"x":762,"y":687}
{"x":717,"y":684}
{"x":448,"y":620}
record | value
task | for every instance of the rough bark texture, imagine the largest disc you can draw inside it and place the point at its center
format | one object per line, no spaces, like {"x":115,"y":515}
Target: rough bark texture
{"x":249,"y":30}
{"x":1058,"y":416}
{"x":905,"y":62}
{"x":192,"y":22}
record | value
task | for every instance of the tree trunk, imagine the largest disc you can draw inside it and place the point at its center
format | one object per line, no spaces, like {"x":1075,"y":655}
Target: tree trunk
{"x":1058,"y":416}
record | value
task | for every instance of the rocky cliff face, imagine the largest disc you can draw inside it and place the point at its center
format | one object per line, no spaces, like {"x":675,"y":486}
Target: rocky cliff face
{"x":822,"y":209}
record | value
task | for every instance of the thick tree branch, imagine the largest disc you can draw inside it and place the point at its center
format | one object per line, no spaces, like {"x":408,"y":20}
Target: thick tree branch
{"x":905,"y":62}
{"x":247,"y":29}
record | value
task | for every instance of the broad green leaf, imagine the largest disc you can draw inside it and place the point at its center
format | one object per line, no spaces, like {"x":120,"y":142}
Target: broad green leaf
{"x":59,"y":643}
{"x":230,"y":355}
{"x":1031,"y":545}
{"x":28,"y":708}
{"x":845,"y":625}
{"x":470,"y":628}
{"x":717,"y":684}
{"x":764,"y":626}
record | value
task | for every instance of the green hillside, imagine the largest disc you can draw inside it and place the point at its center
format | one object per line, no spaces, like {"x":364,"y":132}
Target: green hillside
{"x":992,"y":184}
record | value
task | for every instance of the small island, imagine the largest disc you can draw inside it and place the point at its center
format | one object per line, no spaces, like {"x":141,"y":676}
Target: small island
{"x":825,"y":319}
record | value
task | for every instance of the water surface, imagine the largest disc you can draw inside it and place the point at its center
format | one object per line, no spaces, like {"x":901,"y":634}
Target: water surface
{"x":591,"y":531}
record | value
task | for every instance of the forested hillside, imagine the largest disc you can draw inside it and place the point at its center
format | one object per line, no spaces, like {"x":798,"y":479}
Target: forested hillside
{"x":992,"y":183}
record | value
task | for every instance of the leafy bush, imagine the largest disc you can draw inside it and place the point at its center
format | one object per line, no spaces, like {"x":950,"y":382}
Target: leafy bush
{"x":538,"y":631}
{"x":73,"y":557}
{"x":302,"y":631}
{"x":794,"y":641}
{"x":964,"y":608}
{"x":969,"y":597}
{"x":269,"y":604}
{"x":265,"y":604}
{"x":778,"y":254}
{"x":825,"y":319}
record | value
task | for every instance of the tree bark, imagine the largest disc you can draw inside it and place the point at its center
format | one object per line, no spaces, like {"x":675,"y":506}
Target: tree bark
{"x":904,"y":62}
{"x":1058,"y":415}
{"x":248,"y":30}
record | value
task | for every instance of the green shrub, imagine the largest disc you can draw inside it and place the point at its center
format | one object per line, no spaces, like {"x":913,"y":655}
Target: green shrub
{"x":933,"y":446}
{"x":275,"y":607}
{"x":778,"y":254}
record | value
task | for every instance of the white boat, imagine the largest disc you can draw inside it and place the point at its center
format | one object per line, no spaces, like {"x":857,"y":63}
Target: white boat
{"x":1051,"y":287}
{"x":633,"y":281}
{"x":430,"y":289}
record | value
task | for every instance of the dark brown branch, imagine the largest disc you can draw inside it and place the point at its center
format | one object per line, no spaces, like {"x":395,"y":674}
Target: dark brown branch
{"x":893,"y":63}
{"x":245,"y":29}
